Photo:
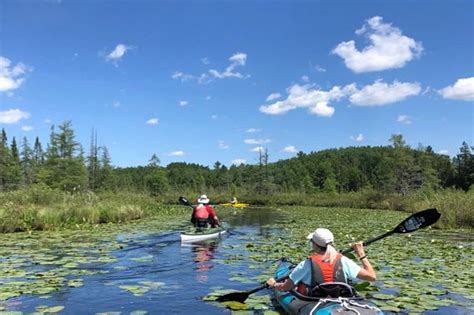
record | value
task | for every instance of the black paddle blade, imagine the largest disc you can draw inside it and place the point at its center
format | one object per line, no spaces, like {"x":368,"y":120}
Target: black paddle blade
{"x":234,"y":296}
{"x":184,"y":201}
{"x":418,"y":220}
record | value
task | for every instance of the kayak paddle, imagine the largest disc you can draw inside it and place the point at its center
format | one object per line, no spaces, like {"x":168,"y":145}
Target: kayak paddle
{"x":243,"y":295}
{"x":184,"y":201}
{"x":414,"y":222}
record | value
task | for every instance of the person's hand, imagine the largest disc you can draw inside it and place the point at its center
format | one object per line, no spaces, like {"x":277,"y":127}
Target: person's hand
{"x":359,"y":249}
{"x":271,"y":282}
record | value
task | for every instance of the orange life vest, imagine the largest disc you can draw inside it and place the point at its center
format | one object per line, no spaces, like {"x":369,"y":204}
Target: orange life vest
{"x":322,"y":271}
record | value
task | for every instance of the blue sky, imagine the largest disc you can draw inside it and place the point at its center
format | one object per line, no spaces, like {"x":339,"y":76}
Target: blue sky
{"x":201,"y":81}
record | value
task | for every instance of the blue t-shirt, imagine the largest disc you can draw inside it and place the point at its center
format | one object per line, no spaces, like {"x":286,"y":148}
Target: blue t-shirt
{"x":302,"y":271}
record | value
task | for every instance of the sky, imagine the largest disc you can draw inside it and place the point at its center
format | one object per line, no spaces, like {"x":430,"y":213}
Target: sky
{"x":206,"y":81}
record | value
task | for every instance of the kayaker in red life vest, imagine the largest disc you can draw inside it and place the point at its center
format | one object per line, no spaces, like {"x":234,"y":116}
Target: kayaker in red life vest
{"x":203,"y":214}
{"x":325,"y":265}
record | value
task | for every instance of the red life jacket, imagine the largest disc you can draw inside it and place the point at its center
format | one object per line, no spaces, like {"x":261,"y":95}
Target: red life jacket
{"x":322,"y":271}
{"x":201,"y":212}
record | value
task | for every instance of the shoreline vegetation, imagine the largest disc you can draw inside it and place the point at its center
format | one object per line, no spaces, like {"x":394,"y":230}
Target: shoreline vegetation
{"x":41,"y":208}
{"x":63,"y":186}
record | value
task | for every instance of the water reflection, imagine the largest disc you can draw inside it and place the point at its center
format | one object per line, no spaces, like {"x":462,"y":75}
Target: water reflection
{"x":204,"y":253}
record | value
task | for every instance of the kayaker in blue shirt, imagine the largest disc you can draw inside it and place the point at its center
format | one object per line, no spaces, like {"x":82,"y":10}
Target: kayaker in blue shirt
{"x":325,"y":265}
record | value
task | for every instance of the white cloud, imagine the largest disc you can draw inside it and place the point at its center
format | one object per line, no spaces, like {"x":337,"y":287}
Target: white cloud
{"x":27,"y":128}
{"x":117,"y":54}
{"x":11,"y":77}
{"x":222,"y":145}
{"x":176,"y":153}
{"x":183,"y":103}
{"x":305,"y":78}
{"x":12,"y":116}
{"x":236,"y":60}
{"x":289,"y":149}
{"x":444,"y":152}
{"x":205,"y":60}
{"x":463,"y":90}
{"x":358,"y":138}
{"x":388,"y":49}
{"x":253,"y":130}
{"x":47,"y":121}
{"x":308,"y":96}
{"x":273,"y":96}
{"x":183,"y":77}
{"x":257,"y":149}
{"x":257,"y":141}
{"x":238,"y":161}
{"x":214,"y":116}
{"x":116,"y":104}
{"x":152,"y":121}
{"x":381,"y":93}
{"x":318,"y":68}
{"x":404,"y":119}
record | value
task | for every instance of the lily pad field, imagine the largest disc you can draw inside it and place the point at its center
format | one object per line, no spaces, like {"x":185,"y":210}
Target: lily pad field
{"x":142,"y":267}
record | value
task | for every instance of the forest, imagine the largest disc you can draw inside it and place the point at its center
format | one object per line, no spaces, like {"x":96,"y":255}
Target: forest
{"x":394,"y":176}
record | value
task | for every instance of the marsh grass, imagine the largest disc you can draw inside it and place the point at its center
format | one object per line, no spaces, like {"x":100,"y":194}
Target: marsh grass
{"x":42,"y":208}
{"x":26,"y":210}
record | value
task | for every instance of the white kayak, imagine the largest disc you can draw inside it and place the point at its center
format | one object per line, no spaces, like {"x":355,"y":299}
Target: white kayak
{"x":202,"y":234}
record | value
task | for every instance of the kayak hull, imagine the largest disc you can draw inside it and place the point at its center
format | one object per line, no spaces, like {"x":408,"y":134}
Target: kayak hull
{"x":293,"y":305}
{"x":202,"y":235}
{"x":235,"y":205}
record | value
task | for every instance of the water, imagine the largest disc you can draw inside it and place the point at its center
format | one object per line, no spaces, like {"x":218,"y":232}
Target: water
{"x":187,"y":271}
{"x":181,"y":275}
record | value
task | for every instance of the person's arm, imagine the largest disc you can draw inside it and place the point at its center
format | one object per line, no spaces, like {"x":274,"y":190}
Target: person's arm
{"x":213,"y":215}
{"x":281,"y":286}
{"x":301,"y":273}
{"x":367,"y":272}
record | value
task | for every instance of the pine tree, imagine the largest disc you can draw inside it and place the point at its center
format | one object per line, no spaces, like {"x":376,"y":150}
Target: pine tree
{"x":464,"y":166}
{"x":14,"y":166}
{"x":4,"y":160}
{"x":93,"y":162}
{"x":26,"y":162}
{"x":106,"y":178}
{"x":154,"y":161}
{"x":38,"y":154}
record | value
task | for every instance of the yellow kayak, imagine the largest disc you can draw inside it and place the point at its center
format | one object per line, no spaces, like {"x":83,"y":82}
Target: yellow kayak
{"x":235,"y":205}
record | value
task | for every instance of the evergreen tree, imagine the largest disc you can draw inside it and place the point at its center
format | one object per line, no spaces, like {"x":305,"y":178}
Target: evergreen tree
{"x":26,"y":162}
{"x":154,"y":161}
{"x":106,"y":178}
{"x":14,"y":166}
{"x":464,"y":166}
{"x":64,"y":169}
{"x":93,"y":163}
{"x":5,"y":158}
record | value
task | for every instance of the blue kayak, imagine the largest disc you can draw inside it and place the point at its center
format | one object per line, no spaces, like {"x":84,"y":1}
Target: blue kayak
{"x":295,"y":303}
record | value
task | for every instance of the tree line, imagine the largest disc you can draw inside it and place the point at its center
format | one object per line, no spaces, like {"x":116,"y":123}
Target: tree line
{"x":393,"y":169}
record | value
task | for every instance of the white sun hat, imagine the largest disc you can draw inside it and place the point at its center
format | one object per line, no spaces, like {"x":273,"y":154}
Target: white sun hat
{"x":321,"y":236}
{"x":203,"y":199}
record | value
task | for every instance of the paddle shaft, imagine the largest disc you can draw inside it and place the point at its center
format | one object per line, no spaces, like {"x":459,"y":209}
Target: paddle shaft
{"x":414,"y":222}
{"x":368,"y":242}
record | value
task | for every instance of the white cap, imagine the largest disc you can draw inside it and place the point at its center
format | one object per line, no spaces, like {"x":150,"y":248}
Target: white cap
{"x":203,"y":199}
{"x":321,"y":236}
